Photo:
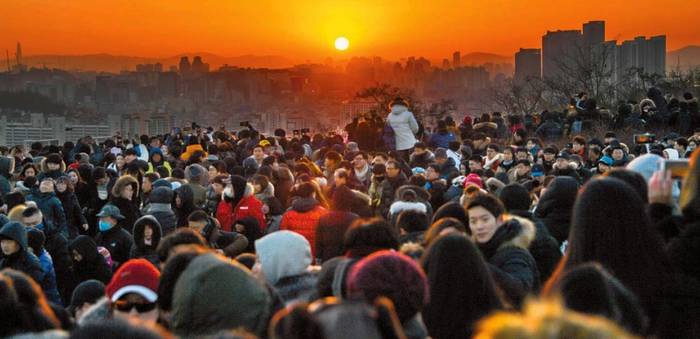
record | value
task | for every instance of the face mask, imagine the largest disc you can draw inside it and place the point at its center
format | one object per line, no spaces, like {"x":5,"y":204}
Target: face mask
{"x":104,"y":225}
{"x":228,"y":192}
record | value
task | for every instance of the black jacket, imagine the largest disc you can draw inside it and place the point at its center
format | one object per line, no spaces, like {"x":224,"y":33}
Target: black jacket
{"x":512,"y":266}
{"x":544,"y":248}
{"x":556,"y":206}
{"x":330,"y":234}
{"x":22,"y":260}
{"x":130,"y":212}
{"x":93,"y":264}
{"x":118,"y":242}
{"x":57,"y":246}
{"x":74,"y":214}
{"x":140,"y":249}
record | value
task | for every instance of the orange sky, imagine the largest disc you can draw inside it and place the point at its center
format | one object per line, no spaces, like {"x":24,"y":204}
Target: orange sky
{"x":306,"y":29}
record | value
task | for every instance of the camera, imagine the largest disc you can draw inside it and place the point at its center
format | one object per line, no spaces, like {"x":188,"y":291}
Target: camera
{"x":646,"y":138}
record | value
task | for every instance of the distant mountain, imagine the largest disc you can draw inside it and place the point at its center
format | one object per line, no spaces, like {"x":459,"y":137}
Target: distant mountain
{"x":686,"y":57}
{"x":118,"y":63}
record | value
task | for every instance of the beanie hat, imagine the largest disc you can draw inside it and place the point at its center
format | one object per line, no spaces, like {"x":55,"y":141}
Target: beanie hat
{"x":54,"y":158}
{"x":563,"y":155}
{"x":161,"y":183}
{"x":473,"y":179}
{"x":135,"y":276}
{"x":392,"y":275}
{"x":35,"y":239}
{"x":515,"y":197}
{"x":606,"y":159}
{"x":88,"y":291}
{"x":161,"y":195}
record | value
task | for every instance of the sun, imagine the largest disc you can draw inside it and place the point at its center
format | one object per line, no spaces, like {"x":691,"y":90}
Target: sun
{"x":342,"y":43}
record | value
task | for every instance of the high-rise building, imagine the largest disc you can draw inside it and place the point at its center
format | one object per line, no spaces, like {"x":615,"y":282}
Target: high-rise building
{"x":646,"y":54}
{"x":593,"y":33}
{"x":559,"y":48}
{"x":185,"y":65}
{"x":528,"y":64}
{"x":18,"y":54}
{"x":456,"y":59}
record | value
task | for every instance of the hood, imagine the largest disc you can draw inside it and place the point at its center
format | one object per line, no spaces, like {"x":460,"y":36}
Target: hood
{"x":122,"y":182}
{"x":215,"y":293}
{"x":15,"y":231}
{"x":156,"y":150}
{"x":303,"y":205}
{"x":196,"y":170}
{"x":7,"y":166}
{"x":515,"y":232}
{"x":240,"y":185}
{"x":267,"y":192}
{"x":87,"y":248}
{"x":161,"y":195}
{"x":283,"y":254}
{"x":43,"y":168}
{"x":398,"y":109}
{"x":140,"y":225}
{"x":645,"y":165}
{"x":559,"y":197}
{"x":186,"y":196}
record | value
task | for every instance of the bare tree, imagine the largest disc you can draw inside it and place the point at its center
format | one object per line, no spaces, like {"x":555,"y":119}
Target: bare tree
{"x":519,"y":97}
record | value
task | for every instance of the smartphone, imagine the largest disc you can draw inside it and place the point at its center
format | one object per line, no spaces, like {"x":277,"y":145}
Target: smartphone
{"x":645,"y":138}
{"x":678,"y":167}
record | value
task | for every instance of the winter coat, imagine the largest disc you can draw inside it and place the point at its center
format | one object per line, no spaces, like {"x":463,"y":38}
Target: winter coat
{"x":544,"y":248}
{"x":142,"y":250}
{"x":421,"y":160}
{"x":22,"y":260}
{"x":52,"y":209}
{"x":48,"y":285}
{"x":250,"y":206}
{"x":512,"y":266}
{"x":303,"y":218}
{"x":388,"y":190}
{"x":199,"y":194}
{"x":405,"y":127}
{"x":283,"y":179}
{"x":556,"y":206}
{"x":93,"y":264}
{"x":118,"y":242}
{"x":330,"y":234}
{"x":74,"y":214}
{"x":128,"y":208}
{"x":7,"y":167}
{"x":57,"y":246}
{"x":441,"y":140}
{"x":187,"y":198}
{"x":191,"y":149}
{"x":231,"y":243}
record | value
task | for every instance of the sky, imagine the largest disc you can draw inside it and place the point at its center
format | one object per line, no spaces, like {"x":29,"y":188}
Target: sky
{"x":306,"y":29}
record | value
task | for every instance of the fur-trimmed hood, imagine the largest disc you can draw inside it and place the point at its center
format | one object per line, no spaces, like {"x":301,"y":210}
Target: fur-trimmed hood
{"x":45,"y":169}
{"x":525,"y":237}
{"x":267,"y":192}
{"x":122,"y":182}
{"x":515,"y":232}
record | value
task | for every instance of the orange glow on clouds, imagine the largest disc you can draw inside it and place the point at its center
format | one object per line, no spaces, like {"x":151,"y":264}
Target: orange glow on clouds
{"x":306,"y":30}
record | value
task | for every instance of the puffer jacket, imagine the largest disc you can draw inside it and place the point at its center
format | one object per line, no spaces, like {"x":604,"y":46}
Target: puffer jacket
{"x":52,"y":209}
{"x":140,"y":249}
{"x":303,"y":218}
{"x":405,"y":127}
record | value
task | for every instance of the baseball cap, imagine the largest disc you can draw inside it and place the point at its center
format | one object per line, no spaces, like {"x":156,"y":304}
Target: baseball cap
{"x":135,"y":276}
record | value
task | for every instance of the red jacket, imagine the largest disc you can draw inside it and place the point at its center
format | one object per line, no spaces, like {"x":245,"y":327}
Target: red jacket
{"x":303,"y":218}
{"x":224,"y":214}
{"x":250,"y":206}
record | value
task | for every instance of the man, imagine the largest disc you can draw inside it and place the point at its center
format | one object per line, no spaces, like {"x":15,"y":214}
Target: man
{"x":133,"y":291}
{"x":421,"y":156}
{"x":331,"y":163}
{"x":548,"y":158}
{"x":229,"y":244}
{"x":393,"y":180}
{"x":15,"y":251}
{"x":521,"y":173}
{"x":448,"y":170}
{"x":111,"y":236}
{"x":361,"y":171}
{"x":475,"y":164}
{"x":562,"y":167}
{"x":504,"y":244}
{"x":51,"y":206}
{"x":255,"y":161}
{"x":493,"y":157}
{"x":681,"y":145}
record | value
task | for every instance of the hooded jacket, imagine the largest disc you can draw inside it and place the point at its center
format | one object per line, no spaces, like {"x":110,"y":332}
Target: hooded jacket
{"x":152,"y":165}
{"x":93,"y":264}
{"x":44,"y":171}
{"x":215,"y":294}
{"x":405,"y":127}
{"x":140,"y":249}
{"x":512,"y":266}
{"x":128,"y":208}
{"x":191,"y":149}
{"x":22,"y":260}
{"x":303,"y":218}
{"x":556,"y":206}
{"x":249,"y":206}
{"x":285,"y":258}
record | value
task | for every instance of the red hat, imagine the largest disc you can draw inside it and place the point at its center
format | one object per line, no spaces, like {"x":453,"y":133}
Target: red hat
{"x":135,"y":276}
{"x":473,"y":179}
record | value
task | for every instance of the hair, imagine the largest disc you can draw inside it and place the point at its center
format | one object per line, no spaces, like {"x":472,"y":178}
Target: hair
{"x":690,"y":193}
{"x":489,"y":202}
{"x":116,"y":328}
{"x":412,"y":221}
{"x":457,"y":276}
{"x":366,"y":236}
{"x":494,"y":147}
{"x":197,"y":216}
{"x":579,"y":140}
{"x":152,"y":176}
{"x":442,"y":224}
{"x":181,"y":236}
{"x":173,"y":268}
{"x":33,"y":303}
{"x":634,"y":179}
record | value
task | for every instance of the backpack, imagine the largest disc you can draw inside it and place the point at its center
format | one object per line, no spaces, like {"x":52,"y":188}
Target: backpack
{"x":389,"y":137}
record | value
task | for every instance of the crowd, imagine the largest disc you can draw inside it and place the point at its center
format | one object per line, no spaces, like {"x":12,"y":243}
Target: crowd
{"x":485,"y":229}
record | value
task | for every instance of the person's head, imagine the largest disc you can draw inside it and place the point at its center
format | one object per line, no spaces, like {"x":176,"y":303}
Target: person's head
{"x":618,"y":154}
{"x":521,"y":153}
{"x":258,"y":152}
{"x":46,"y":185}
{"x":180,"y":240}
{"x":492,"y":150}
{"x":126,"y":187}
{"x":457,"y":275}
{"x":432,"y":172}
{"x":32,"y":217}
{"x":444,"y":226}
{"x":508,"y":154}
{"x":392,"y":169}
{"x":86,"y":294}
{"x":523,"y":167}
{"x":54,"y":162}
{"x":605,"y":164}
{"x":148,"y":180}
{"x":198,"y":221}
{"x":359,"y":161}
{"x":380,"y":158}
{"x":366,"y":236}
{"x":133,"y":291}
{"x":634,"y":179}
{"x":109,"y":216}
{"x":64,"y":184}
{"x":515,"y":197}
{"x":486,"y":215}
{"x":420,"y":148}
{"x":73,"y":176}
{"x":282,"y":254}
{"x":681,"y":146}
{"x":332,"y":160}
{"x":412,"y":221}
{"x":13,"y":238}
{"x":475,"y":164}
{"x":29,"y":170}
{"x":441,"y":156}
{"x":340,"y":177}
{"x":562,"y":160}
{"x":130,"y":155}
{"x":578,"y":144}
{"x":594,"y":152}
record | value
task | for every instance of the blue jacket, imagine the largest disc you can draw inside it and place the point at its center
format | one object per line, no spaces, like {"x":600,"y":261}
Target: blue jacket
{"x":52,"y":209}
{"x":441,"y":140}
{"x":49,"y":282}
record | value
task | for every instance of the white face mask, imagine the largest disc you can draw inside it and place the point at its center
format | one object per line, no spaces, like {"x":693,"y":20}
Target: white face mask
{"x":228,"y":192}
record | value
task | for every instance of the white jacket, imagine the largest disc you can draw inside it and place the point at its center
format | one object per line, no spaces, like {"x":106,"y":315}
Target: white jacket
{"x":405,"y":127}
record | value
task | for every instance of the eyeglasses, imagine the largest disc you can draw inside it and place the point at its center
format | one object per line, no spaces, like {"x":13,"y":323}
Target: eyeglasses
{"x":125,"y":306}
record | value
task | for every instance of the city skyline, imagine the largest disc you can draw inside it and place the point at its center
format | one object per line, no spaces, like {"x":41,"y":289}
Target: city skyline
{"x":307,"y":30}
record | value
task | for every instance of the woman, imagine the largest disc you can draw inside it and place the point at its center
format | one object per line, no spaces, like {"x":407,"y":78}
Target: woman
{"x":184,"y":205}
{"x":147,"y":235}
{"x":457,"y":276}
{"x":555,"y":206}
{"x":77,"y":224}
{"x":124,"y":194}
{"x":118,"y":165}
{"x":88,"y":263}
{"x":239,"y":202}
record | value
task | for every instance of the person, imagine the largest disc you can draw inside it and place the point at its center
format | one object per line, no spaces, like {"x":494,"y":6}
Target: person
{"x":284,"y":262}
{"x":361,"y":171}
{"x":404,"y":126}
{"x":304,"y":214}
{"x":112,"y":236}
{"x":88,"y":263}
{"x":214,"y":285}
{"x":333,"y":225}
{"x":124,"y":191}
{"x":133,"y":291}
{"x":197,"y":177}
{"x":161,"y":209}
{"x":75,"y":220}
{"x":457,"y":276}
{"x":556,"y":205}
{"x":16,"y":252}
{"x":157,"y":160}
{"x":147,"y":233}
{"x":50,"y":206}
{"x":442,"y":137}
{"x":230,"y":244}
{"x":504,"y":244}
{"x":393,"y":180}
{"x":52,"y":167}
{"x":85,"y":295}
{"x":183,"y":205}
{"x":35,"y":241}
{"x":246,"y":204}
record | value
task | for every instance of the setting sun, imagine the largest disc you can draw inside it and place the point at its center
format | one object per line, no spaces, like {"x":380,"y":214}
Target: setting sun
{"x":342,"y":43}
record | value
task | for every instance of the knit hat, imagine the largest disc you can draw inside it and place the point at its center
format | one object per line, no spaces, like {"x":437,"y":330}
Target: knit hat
{"x":392,"y":275}
{"x":88,"y":291}
{"x":161,"y":195}
{"x":473,"y":179}
{"x":283,"y":254}
{"x":135,"y":276}
{"x":54,"y":158}
{"x":606,"y":159}
{"x":161,"y":183}
{"x":441,"y":153}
